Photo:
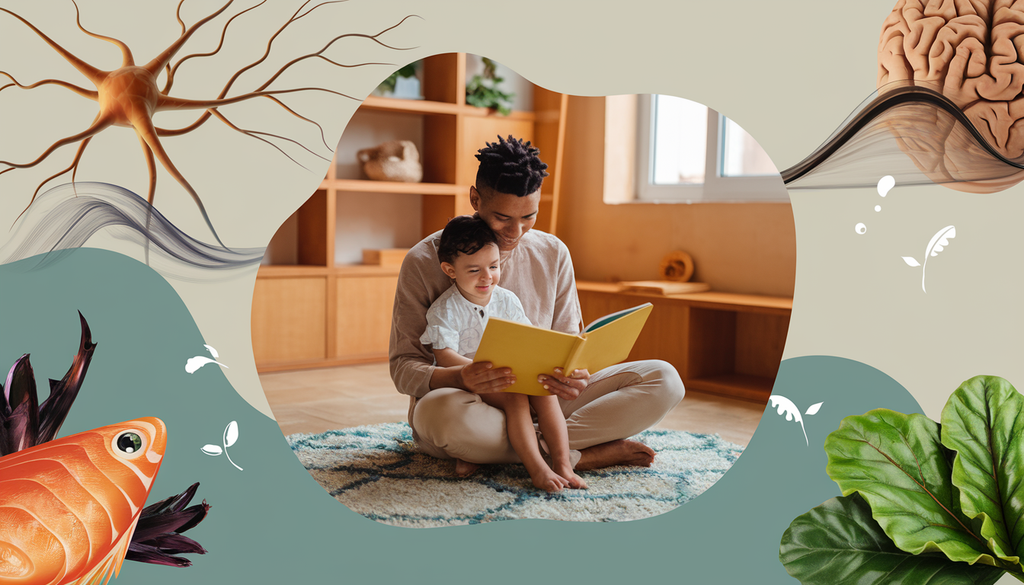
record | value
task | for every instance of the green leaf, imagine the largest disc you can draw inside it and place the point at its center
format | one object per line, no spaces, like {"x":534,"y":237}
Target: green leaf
{"x":982,"y":422}
{"x":838,"y":543}
{"x":896,"y":462}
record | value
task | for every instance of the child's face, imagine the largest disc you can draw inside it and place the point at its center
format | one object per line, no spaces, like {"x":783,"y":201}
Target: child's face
{"x":476,"y":275}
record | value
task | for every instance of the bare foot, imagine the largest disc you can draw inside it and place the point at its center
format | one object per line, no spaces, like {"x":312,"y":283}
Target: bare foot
{"x":575,"y":482}
{"x":548,"y":480}
{"x":620,"y":452}
{"x":465,"y":468}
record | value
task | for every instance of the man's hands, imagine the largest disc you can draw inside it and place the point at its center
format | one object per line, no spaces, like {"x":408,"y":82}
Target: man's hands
{"x":566,"y":388}
{"x":483,"y":378}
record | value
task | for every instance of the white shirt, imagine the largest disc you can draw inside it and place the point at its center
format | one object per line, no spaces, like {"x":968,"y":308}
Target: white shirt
{"x":539,"y":271}
{"x":456,"y":323}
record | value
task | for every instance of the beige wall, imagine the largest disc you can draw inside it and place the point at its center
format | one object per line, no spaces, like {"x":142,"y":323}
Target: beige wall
{"x":736,"y":247}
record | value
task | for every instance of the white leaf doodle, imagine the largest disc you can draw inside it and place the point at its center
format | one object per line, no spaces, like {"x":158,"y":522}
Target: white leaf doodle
{"x":786,"y":407}
{"x":193,"y":364}
{"x":230,"y":436}
{"x":937,"y":244}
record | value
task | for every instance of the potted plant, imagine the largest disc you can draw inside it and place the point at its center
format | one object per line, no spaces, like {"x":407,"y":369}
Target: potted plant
{"x":482,"y":91}
{"x":402,"y":83}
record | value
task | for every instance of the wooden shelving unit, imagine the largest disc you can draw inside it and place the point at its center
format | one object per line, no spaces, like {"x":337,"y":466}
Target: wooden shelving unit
{"x":721,"y":343}
{"x":314,"y":311}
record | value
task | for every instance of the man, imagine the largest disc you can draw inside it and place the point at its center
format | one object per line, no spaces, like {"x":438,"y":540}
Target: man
{"x":448,"y":418}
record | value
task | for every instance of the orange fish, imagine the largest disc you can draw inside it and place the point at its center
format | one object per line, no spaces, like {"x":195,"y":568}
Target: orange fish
{"x":68,"y":507}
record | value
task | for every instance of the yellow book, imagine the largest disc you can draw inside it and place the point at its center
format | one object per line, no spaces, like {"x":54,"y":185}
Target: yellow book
{"x":531,"y":351}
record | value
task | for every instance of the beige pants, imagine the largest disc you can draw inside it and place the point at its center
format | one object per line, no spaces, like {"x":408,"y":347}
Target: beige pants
{"x":619,"y":402}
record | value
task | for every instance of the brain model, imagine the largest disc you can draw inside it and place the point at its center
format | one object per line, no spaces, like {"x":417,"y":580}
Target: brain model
{"x":970,"y":51}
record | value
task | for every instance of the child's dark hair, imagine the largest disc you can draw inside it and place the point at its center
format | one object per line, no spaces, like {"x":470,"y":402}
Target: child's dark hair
{"x":464,"y":234}
{"x":509,"y":166}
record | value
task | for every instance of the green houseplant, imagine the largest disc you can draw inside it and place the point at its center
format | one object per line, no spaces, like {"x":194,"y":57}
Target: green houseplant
{"x":388,"y":86}
{"x":922,"y":502}
{"x":482,"y":90}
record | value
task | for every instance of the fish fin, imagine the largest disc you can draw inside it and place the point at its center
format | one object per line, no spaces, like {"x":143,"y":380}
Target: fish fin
{"x":110,"y":565}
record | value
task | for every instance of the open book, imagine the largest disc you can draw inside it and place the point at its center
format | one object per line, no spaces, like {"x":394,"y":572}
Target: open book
{"x":531,"y":351}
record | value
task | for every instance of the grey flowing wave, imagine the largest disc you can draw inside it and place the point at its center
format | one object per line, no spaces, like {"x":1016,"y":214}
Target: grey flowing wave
{"x":909,"y":131}
{"x":66,"y":217}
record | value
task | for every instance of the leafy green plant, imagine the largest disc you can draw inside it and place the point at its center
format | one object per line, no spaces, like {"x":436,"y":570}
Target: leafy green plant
{"x":388,"y":85}
{"x":482,"y":91}
{"x":922,"y":502}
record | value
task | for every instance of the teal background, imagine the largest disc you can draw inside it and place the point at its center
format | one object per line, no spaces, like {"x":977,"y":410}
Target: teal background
{"x":271,"y":523}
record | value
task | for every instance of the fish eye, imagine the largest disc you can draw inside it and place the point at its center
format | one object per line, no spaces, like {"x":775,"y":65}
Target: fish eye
{"x":128,"y":443}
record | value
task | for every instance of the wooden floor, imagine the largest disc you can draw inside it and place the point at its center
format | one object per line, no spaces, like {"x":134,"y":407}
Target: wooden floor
{"x":314,"y":401}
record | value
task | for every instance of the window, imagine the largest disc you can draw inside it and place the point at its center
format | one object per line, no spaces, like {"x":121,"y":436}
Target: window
{"x":674,"y":139}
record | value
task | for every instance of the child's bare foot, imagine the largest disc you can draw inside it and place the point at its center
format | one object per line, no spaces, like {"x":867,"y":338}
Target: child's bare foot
{"x":465,"y":468}
{"x":575,"y":482}
{"x":548,"y":480}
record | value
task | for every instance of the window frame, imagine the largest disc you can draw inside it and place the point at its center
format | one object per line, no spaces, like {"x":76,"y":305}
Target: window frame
{"x":715,"y":188}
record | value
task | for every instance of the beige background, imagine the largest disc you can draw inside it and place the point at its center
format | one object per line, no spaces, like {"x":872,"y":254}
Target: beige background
{"x":788,"y":72}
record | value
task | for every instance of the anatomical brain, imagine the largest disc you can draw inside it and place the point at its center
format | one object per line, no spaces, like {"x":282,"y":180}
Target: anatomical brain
{"x":970,"y":51}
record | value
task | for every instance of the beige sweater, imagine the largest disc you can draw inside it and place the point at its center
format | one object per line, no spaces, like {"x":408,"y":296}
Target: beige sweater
{"x":539,"y":271}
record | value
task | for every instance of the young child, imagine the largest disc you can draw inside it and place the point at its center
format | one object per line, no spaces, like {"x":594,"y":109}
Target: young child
{"x":468,"y":252}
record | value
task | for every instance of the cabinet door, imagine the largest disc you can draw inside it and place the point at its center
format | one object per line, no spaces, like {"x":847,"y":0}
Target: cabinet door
{"x":289,"y":320}
{"x":364,"y":305}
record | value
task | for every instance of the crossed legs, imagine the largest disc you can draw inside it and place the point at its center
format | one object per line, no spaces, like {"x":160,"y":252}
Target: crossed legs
{"x":619,"y":402}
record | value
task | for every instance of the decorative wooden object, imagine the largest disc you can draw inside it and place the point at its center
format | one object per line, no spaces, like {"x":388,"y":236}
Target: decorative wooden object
{"x":316,"y":313}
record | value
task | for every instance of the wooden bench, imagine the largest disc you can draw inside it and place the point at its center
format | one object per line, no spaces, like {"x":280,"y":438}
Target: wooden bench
{"x":722,"y":343}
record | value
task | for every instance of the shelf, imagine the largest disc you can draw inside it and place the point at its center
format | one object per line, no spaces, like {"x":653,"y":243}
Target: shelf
{"x":705,"y":300}
{"x":303,"y":271}
{"x":392,"y":187}
{"x":290,"y":271}
{"x":308,"y":310}
{"x":742,"y":386}
{"x":738,"y":302}
{"x":722,"y":343}
{"x":403,"y":106}
{"x":384,"y":104}
{"x":489,"y":113}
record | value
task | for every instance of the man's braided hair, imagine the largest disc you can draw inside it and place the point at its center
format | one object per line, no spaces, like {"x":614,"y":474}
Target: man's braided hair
{"x":510,"y":166}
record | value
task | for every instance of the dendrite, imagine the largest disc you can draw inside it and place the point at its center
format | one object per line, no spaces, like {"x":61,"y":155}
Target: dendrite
{"x":130,"y":96}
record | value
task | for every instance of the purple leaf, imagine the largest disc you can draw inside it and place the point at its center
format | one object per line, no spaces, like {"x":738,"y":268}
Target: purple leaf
{"x":174,"y":543}
{"x":20,"y":429}
{"x":150,"y":554}
{"x":54,"y":409}
{"x":158,"y":533}
{"x":19,"y":413}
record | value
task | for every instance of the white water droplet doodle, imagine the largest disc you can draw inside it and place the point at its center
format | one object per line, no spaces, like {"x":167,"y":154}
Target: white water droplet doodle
{"x":860,"y":228}
{"x":884,"y":184}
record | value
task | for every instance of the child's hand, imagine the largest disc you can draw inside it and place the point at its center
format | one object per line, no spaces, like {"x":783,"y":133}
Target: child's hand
{"x":483,"y":378}
{"x":566,"y":388}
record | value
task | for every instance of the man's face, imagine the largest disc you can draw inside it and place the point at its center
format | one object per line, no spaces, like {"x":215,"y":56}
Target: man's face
{"x":508,"y":216}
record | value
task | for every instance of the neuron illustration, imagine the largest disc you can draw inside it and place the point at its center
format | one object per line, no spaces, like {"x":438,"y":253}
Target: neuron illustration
{"x":130,"y":95}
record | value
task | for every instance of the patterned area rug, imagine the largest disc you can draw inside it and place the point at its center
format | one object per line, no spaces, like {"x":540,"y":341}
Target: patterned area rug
{"x":378,"y":472}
